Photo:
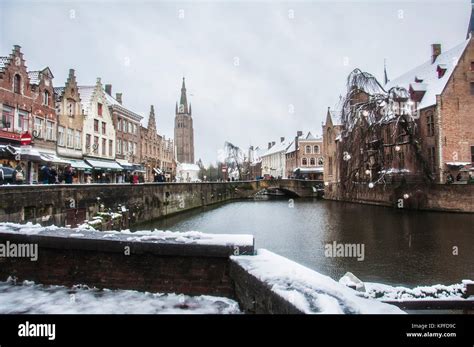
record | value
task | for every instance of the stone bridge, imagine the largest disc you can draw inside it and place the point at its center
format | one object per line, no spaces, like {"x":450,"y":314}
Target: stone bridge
{"x":64,"y":205}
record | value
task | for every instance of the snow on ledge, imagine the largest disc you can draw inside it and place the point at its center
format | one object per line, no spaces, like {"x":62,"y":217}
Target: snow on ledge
{"x":308,"y":290}
{"x":154,"y":236}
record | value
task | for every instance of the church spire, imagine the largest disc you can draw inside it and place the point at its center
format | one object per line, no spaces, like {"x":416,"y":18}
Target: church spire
{"x":183,"y":102}
{"x":151,"y":118}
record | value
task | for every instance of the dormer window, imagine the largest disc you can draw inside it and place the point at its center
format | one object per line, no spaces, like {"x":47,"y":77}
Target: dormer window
{"x":441,"y":69}
{"x":418,"y":80}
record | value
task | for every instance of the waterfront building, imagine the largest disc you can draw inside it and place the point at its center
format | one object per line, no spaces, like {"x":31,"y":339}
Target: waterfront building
{"x":98,"y":134}
{"x":157,"y":152}
{"x":70,"y":125}
{"x":304,"y":157}
{"x":331,"y":139}
{"x":128,"y":137}
{"x":28,"y":116}
{"x":274,"y":159}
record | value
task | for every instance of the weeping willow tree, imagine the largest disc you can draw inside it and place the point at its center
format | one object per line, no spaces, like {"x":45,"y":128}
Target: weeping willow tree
{"x":234,"y":157}
{"x":373,"y":121}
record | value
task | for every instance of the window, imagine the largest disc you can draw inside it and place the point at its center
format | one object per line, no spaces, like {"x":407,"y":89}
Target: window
{"x":88,"y":141}
{"x":7,"y":118}
{"x":119,"y":124}
{"x":78,"y":139}
{"x":104,"y":147}
{"x":430,"y":124}
{"x":96,"y":144}
{"x":119,"y":146}
{"x":96,"y":125}
{"x":70,"y":138}
{"x":17,"y":84}
{"x":39,"y":127}
{"x":130,"y":147}
{"x":70,"y":109}
{"x":307,"y":149}
{"x":401,"y":159}
{"x":330,"y":165}
{"x":60,"y":136}
{"x":312,"y":161}
{"x":316,"y":149}
{"x":432,"y":158}
{"x":472,"y":88}
{"x":99,"y":109}
{"x":472,"y":65}
{"x":103,"y":128}
{"x":22,"y":120}
{"x":124,"y":147}
{"x":49,"y":130}
{"x":320,"y":161}
{"x":111,"y":148}
{"x":304,"y":162}
{"x":134,"y":148}
{"x":329,"y":135}
{"x":124,"y":126}
{"x":472,"y":154}
{"x":46,"y":98}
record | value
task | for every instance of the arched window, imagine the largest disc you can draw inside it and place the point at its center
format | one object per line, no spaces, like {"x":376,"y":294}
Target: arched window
{"x":17,"y":84}
{"x":320,"y":161}
{"x":329,"y":135}
{"x":312,"y":162}
{"x":316,"y":149}
{"x":308,"y":149}
{"x":304,"y":162}
{"x":46,"y":98}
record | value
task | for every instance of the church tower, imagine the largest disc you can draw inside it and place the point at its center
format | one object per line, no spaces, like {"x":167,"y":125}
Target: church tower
{"x":183,"y":129}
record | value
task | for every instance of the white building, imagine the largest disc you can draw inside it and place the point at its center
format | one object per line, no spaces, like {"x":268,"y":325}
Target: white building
{"x":187,"y":172}
{"x":98,"y":133}
{"x":274,"y":159}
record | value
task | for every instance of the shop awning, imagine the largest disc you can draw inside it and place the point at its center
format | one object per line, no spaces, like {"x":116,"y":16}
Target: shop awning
{"x":28,"y":153}
{"x":157,"y":171}
{"x":125,"y":164}
{"x":98,"y":164}
{"x":52,"y":158}
{"x":139,"y":168}
{"x":79,"y":164}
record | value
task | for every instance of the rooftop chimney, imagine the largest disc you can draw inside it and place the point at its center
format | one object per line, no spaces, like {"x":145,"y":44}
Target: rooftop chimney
{"x":269,"y":145}
{"x":118,"y":97}
{"x":108,"y":89}
{"x":435,"y":51}
{"x":273,"y":143}
{"x":282,"y":139}
{"x":299,"y":133}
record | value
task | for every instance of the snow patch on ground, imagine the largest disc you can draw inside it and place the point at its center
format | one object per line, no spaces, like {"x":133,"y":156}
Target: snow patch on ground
{"x":385,"y":292}
{"x":32,"y":298}
{"x":308,"y":290}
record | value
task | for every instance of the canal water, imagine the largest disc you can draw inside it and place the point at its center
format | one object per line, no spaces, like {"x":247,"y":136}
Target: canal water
{"x":408,"y":248}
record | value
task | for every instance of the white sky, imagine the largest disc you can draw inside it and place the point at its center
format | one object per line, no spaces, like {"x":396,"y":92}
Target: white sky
{"x":143,"y":48}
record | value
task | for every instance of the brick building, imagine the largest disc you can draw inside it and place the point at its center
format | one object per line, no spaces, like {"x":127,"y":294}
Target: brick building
{"x":304,"y":157}
{"x":157,"y":152}
{"x":331,"y":138}
{"x":443,"y":90}
{"x":28,"y":112}
{"x":127,"y":132}
{"x":183,"y":129}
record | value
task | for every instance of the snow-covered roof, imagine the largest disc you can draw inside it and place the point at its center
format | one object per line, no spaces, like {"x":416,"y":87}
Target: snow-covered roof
{"x":278,"y":147}
{"x":86,"y":93}
{"x":34,"y":77}
{"x":3,"y":62}
{"x":111,"y":101}
{"x":58,"y":91}
{"x":291,"y":148}
{"x":428,"y":73}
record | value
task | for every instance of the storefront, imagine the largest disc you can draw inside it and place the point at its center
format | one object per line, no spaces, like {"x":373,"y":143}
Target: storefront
{"x":104,"y":171}
{"x":309,"y":173}
{"x":81,"y":170}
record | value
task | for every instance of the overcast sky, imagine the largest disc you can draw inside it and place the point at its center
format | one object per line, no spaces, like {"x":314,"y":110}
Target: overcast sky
{"x":255,"y":70}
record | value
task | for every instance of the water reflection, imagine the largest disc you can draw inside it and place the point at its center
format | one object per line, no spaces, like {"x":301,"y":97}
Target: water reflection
{"x":401,"y":247}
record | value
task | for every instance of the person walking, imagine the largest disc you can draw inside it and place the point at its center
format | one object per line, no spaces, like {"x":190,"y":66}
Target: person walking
{"x":68,"y":174}
{"x":135,"y":178}
{"x":19,"y":175}
{"x":44,"y":173}
{"x":53,"y":175}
